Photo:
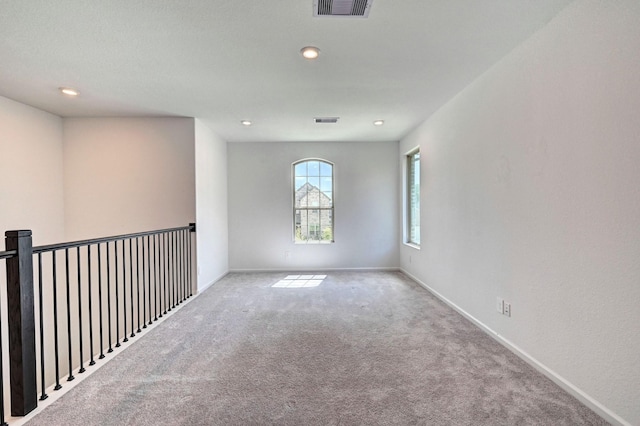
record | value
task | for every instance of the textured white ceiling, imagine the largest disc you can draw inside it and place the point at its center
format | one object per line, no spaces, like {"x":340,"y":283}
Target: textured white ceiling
{"x":224,"y":61}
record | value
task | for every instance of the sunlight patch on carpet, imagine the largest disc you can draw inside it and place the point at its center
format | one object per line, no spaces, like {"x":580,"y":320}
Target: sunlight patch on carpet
{"x":300,"y":281}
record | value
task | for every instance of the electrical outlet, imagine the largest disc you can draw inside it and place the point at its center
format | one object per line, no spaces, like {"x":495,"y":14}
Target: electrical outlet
{"x":507,"y":309}
{"x":287,"y":254}
{"x":500,"y":305}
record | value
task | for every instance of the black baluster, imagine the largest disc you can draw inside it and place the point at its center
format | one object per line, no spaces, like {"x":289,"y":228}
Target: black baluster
{"x":144,"y":284}
{"x":169,"y":272}
{"x":82,"y":370}
{"x":124,"y":292}
{"x":160,"y":273}
{"x":55,"y":323}
{"x":172,"y":272}
{"x":155,"y":282}
{"x":109,"y":294}
{"x":168,"y":281}
{"x":184,"y":263}
{"x":176,"y":270}
{"x":166,"y":267}
{"x":91,"y":362}
{"x":131,"y":281}
{"x":131,"y":300}
{"x":176,"y":263}
{"x":100,"y":301}
{"x":40,"y":299}
{"x":179,"y":267}
{"x":66,"y":260}
{"x":115,"y":272}
{"x":149,"y":277}
{"x":186,"y":273}
{"x":187,"y":236}
{"x":138,"y":280}
{"x":190,"y":264}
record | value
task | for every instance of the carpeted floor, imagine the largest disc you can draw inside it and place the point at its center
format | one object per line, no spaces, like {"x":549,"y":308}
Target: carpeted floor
{"x":360,"y":348}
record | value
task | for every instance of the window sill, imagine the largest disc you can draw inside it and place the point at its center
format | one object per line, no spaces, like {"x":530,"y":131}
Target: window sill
{"x":412,"y":245}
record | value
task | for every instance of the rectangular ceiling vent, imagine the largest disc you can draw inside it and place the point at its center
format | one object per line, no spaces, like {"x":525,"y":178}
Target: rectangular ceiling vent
{"x":322,"y":120}
{"x":341,"y":8}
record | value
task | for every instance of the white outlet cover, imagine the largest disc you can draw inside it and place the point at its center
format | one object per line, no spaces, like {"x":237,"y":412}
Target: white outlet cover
{"x":507,"y":309}
{"x":500,"y":305}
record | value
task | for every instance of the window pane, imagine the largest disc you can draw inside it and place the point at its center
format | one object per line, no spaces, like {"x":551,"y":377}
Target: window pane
{"x":326,"y":199}
{"x":301,"y":169}
{"x":315,"y":181}
{"x":301,"y":225}
{"x":300,"y":181}
{"x":313,"y":225}
{"x":313,"y":197}
{"x":326,"y":225}
{"x":302,"y":197}
{"x":314,"y":168}
{"x":326,"y":184}
{"x":326,"y":169}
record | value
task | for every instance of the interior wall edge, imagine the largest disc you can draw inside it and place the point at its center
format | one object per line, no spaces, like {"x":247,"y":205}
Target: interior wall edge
{"x":212,"y":282}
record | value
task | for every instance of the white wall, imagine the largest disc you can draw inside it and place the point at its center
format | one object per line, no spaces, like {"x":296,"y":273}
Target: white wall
{"x":31,"y":187}
{"x":260,"y":206}
{"x":211,"y":205}
{"x":120,"y":175}
{"x":530,"y":192}
{"x":127,"y":175}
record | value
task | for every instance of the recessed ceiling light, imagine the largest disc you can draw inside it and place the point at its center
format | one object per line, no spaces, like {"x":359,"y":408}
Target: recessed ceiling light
{"x":310,"y":52}
{"x":69,"y":91}
{"x":378,"y":122}
{"x":246,"y":122}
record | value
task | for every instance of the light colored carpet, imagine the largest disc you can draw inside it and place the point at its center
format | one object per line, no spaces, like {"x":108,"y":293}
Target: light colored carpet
{"x":365,"y":348}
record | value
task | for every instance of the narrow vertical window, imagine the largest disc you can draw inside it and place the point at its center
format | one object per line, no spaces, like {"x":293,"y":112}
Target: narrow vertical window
{"x":413,"y":197}
{"x":313,"y":201}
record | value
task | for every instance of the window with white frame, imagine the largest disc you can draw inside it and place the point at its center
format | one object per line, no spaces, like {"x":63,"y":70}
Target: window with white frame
{"x":313,"y":201}
{"x":413,"y":198}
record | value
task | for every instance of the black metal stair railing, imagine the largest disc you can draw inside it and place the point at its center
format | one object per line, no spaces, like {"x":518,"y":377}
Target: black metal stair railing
{"x":90,"y":296}
{"x":3,"y":256}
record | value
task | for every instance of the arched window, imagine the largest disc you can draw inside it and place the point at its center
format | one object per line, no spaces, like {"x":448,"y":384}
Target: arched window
{"x":313,"y":201}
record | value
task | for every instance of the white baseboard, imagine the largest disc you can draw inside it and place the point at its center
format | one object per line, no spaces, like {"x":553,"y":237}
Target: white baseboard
{"x":212,"y":282}
{"x":309,"y":270}
{"x":569,"y":387}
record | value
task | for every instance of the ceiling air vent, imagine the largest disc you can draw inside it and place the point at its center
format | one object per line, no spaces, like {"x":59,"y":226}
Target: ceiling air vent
{"x":344,"y":8}
{"x":322,"y":120}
